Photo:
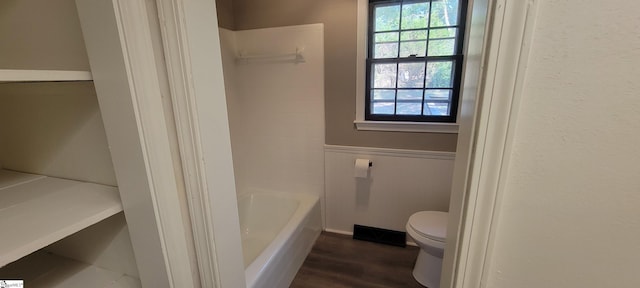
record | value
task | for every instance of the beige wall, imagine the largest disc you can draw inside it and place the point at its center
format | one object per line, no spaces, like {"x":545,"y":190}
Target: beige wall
{"x":339,"y":18}
{"x":41,"y":35}
{"x":569,"y":211}
{"x":225,"y":14}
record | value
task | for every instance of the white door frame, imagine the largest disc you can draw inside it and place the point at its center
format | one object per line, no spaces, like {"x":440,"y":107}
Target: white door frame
{"x":194,"y":63}
{"x":121,"y":55}
{"x":193,"y":58}
{"x":509,"y":33}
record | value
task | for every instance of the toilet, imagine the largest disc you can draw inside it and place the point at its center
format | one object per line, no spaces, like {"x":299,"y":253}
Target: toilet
{"x":429,"y":230}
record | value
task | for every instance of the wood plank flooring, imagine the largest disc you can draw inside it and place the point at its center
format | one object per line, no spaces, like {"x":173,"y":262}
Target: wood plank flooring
{"x":338,"y":261}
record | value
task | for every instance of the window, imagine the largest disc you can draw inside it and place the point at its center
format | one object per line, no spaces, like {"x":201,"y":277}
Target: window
{"x":414,"y":60}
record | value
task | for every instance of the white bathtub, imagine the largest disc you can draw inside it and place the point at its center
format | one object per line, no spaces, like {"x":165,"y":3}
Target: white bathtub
{"x":278,"y":231}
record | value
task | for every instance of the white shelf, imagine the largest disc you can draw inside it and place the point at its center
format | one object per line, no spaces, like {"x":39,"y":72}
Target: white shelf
{"x":36,"y":211}
{"x":126,"y":282}
{"x":43,"y":75}
{"x":45,"y":270}
{"x":9,"y":179}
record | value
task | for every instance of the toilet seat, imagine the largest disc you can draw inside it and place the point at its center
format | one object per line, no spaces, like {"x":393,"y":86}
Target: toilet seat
{"x":430,"y":224}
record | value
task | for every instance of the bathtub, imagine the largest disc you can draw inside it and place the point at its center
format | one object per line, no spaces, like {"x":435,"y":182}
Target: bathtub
{"x":278,"y":231}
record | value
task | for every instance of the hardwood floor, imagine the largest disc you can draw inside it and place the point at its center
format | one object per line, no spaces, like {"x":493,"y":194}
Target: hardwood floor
{"x":338,"y":261}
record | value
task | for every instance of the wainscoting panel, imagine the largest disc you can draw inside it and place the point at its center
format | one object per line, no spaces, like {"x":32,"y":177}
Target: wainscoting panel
{"x":400,"y":183}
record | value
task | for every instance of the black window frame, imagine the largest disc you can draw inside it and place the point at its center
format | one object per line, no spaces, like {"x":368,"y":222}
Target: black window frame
{"x":458,"y":57}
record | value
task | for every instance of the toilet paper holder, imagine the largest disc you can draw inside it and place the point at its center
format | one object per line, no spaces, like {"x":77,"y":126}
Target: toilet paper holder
{"x":362,"y":167}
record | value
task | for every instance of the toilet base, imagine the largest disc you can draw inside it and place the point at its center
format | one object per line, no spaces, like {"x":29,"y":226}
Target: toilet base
{"x":427,"y":270}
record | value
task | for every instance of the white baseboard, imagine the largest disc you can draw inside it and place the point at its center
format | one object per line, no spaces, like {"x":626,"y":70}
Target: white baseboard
{"x":348,"y":233}
{"x":338,"y":232}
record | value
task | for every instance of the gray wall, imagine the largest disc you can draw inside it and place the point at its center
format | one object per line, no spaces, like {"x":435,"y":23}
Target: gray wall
{"x":339,"y":18}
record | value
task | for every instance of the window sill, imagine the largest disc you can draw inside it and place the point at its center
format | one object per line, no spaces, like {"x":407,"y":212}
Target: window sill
{"x":421,"y":127}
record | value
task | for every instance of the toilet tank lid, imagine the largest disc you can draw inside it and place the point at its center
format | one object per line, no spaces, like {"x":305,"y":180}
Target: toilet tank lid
{"x":432,"y":224}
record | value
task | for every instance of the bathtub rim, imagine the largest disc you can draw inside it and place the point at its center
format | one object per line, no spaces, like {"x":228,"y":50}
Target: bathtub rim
{"x":307,"y":202}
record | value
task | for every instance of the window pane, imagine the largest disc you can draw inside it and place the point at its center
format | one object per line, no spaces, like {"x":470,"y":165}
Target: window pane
{"x":413,"y":48}
{"x":384,"y":76}
{"x":413,"y":35}
{"x":384,"y":94}
{"x":436,"y":108}
{"x":411,"y":75}
{"x":383,"y":108}
{"x":412,"y":94}
{"x":387,"y":18}
{"x":442,"y":33}
{"x":404,"y":79}
{"x":444,"y":13}
{"x":388,"y":50}
{"x":387,"y":37}
{"x":415,"y":15}
{"x":439,"y":74}
{"x":437,"y":94}
{"x":409,"y":108}
{"x":441,"y":47}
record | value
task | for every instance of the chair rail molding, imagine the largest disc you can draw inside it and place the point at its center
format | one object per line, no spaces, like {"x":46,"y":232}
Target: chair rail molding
{"x":445,"y":155}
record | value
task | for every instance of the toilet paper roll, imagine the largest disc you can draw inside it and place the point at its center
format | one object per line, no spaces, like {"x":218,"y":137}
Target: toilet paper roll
{"x":361,"y":168}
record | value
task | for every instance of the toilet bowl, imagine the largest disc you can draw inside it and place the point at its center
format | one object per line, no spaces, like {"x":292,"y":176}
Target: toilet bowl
{"x":429,"y":230}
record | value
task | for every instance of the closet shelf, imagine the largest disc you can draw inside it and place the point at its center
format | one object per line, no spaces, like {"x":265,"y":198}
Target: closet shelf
{"x":12,"y":75}
{"x":36,"y":211}
{"x":46,"y":270}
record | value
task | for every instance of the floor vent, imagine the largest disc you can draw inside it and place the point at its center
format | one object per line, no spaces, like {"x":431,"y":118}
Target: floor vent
{"x":379,"y":235}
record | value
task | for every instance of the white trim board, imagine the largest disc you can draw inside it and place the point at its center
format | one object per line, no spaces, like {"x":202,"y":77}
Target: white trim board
{"x":11,"y":75}
{"x":478,"y":24}
{"x":174,"y":36}
{"x":361,"y":57}
{"x":444,"y":155}
{"x":194,"y":64}
{"x":399,"y":126}
{"x":341,"y":232}
{"x":121,"y":53}
{"x":511,"y":32}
